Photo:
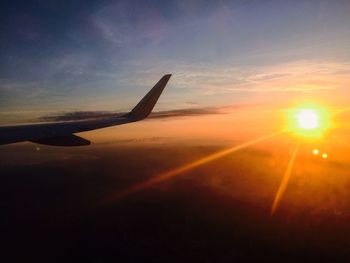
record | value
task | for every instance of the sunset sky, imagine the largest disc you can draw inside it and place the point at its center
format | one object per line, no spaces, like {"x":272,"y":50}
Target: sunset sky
{"x":233,"y":158}
{"x":104,"y":55}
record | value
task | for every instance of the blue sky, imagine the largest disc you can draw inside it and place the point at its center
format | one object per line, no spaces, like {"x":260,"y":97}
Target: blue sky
{"x":104,"y":55}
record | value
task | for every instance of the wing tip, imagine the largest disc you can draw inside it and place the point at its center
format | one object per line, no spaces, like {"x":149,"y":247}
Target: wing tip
{"x":145,"y":106}
{"x":167,"y":76}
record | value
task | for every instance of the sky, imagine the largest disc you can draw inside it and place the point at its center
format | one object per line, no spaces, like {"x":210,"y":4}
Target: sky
{"x":63,"y":56}
{"x":219,"y":171}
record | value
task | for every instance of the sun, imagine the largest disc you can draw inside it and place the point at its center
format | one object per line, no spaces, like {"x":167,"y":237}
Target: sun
{"x":308,"y":121}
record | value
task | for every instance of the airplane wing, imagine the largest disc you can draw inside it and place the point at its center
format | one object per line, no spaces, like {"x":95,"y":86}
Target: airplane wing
{"x":63,"y":133}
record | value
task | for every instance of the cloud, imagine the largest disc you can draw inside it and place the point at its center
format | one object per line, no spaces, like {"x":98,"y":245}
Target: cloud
{"x":77,"y":115}
{"x":74,"y":81}
{"x":186,"y":112}
{"x":298,"y":76}
{"x":84,"y":115}
{"x":124,"y":23}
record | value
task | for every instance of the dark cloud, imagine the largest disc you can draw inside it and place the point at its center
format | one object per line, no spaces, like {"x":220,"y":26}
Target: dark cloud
{"x":83,"y":115}
{"x":218,"y":212}
{"x":78,"y":115}
{"x":185,"y":112}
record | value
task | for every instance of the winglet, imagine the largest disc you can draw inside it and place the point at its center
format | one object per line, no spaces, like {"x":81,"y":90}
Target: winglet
{"x":146,"y":105}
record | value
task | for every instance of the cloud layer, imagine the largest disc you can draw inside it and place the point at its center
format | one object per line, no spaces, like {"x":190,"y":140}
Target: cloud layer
{"x":84,"y":115}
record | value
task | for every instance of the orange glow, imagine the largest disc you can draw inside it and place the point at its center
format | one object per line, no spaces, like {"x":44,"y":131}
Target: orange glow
{"x":187,"y":167}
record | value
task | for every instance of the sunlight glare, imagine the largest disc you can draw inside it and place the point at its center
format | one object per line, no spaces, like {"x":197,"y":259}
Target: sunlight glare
{"x":284,"y":183}
{"x":186,"y":167}
{"x":309,"y":121}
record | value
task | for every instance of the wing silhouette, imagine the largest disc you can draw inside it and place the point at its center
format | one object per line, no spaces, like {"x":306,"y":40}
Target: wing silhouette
{"x":62,"y":133}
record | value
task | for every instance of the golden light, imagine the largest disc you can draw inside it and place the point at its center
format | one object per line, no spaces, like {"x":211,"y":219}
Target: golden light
{"x":284,"y":183}
{"x":184,"y":168}
{"x":325,"y":156}
{"x":315,"y":152}
{"x":308,"y":121}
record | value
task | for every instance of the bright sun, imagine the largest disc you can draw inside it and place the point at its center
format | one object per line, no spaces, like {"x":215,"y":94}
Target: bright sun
{"x":308,"y":121}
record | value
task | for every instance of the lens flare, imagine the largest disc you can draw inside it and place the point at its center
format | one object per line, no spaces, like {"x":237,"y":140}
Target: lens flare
{"x":186,"y":167}
{"x":283,"y":186}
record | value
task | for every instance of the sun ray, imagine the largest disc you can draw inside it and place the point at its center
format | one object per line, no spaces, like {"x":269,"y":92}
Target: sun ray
{"x":283,"y":186}
{"x":187,"y":167}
